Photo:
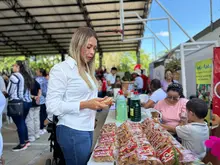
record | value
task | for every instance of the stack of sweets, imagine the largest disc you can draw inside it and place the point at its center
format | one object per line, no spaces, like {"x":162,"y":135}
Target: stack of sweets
{"x":134,"y":148}
{"x":107,"y":144}
{"x":168,"y":149}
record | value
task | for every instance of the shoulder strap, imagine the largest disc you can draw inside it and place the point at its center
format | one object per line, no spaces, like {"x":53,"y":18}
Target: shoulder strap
{"x":17,"y":85}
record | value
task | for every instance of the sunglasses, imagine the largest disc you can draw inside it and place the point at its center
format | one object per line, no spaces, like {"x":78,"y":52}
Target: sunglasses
{"x":173,"y":98}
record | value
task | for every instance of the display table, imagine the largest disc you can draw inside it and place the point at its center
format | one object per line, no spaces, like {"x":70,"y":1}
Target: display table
{"x":110,"y":119}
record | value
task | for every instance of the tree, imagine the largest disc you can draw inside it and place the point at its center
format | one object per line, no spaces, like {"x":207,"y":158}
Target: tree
{"x":7,"y":62}
{"x":45,"y":62}
{"x":124,"y":61}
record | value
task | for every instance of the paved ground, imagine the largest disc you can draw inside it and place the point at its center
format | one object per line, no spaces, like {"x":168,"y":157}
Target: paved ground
{"x":38,"y":152}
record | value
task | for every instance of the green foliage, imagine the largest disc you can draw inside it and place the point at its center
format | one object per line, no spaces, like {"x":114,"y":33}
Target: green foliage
{"x":7,"y":62}
{"x":174,"y":65}
{"x":124,"y":61}
{"x":46,"y":62}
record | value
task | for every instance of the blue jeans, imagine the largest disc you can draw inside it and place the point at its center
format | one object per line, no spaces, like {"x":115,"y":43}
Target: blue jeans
{"x":76,"y":145}
{"x":21,"y":125}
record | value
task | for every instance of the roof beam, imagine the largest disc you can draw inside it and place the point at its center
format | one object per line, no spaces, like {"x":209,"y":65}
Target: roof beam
{"x":14,"y":45}
{"x":68,"y":38}
{"x":18,"y":54}
{"x":70,"y":21}
{"x":72,"y":5}
{"x":52,"y":54}
{"x":30,"y":20}
{"x":80,"y":20}
{"x":38,"y":28}
{"x":60,"y":28}
{"x":39,"y":48}
{"x":88,"y":21}
{"x":67,"y":42}
{"x":36,"y":51}
{"x":146,"y":13}
{"x":71,"y":13}
{"x":68,"y":33}
{"x":39,"y":43}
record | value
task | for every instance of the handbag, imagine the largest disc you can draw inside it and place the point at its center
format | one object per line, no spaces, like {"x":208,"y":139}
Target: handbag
{"x":15,"y":106}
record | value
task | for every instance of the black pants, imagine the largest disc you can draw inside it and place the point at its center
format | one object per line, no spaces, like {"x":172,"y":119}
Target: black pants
{"x":43,"y":115}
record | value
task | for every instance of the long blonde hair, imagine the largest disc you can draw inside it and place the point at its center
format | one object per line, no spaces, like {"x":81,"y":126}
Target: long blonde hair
{"x":79,"y":42}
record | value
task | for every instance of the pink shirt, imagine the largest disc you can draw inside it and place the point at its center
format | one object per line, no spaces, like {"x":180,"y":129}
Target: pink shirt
{"x":171,"y":113}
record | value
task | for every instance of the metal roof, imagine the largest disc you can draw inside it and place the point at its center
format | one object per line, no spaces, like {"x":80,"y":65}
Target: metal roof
{"x":45,"y":27}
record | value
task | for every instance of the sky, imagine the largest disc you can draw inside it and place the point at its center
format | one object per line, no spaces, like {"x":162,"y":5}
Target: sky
{"x":192,"y":15}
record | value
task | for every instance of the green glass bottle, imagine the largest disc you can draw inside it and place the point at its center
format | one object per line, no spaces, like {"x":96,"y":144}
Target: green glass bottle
{"x":135,"y":110}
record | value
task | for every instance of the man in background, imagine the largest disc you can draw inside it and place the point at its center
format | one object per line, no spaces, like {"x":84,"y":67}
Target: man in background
{"x":111,"y":78}
{"x":145,"y":88}
{"x":138,"y":81}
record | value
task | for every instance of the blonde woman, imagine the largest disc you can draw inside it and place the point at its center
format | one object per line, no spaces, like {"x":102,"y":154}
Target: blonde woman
{"x":72,"y":96}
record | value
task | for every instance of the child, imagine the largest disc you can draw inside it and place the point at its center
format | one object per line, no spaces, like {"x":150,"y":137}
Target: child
{"x":215,"y":119}
{"x":196,"y":132}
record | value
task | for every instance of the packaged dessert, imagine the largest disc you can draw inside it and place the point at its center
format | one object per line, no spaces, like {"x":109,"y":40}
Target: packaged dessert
{"x":145,"y":151}
{"x":129,"y":146}
{"x":109,"y":128}
{"x":167,"y":155}
{"x":128,"y":158}
{"x":104,"y":147}
{"x":107,"y":139}
{"x":103,"y":156}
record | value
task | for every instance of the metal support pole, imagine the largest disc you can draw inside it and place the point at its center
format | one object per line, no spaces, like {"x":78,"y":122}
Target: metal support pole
{"x":122,"y":18}
{"x":100,"y":59}
{"x":155,"y":49}
{"x":183,"y":71}
{"x":174,"y":20}
{"x":152,"y":32}
{"x":155,"y":36}
{"x":151,"y":19}
{"x":62,"y":57}
{"x":170,"y":35}
{"x":211,"y":16}
{"x":138,"y":57}
{"x":199,"y":43}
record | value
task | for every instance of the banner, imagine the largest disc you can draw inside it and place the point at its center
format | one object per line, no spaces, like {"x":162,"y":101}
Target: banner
{"x":216,"y":81}
{"x":204,"y":79}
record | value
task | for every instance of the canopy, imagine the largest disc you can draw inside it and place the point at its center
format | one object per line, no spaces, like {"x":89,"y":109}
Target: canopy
{"x":45,"y":27}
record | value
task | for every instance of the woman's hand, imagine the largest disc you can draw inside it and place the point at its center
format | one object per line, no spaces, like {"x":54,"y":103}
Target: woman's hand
{"x":46,"y":122}
{"x":94,"y":104}
{"x":215,"y":119}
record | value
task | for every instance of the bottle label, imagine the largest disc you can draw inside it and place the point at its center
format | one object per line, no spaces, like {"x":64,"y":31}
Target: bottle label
{"x":132,"y":112}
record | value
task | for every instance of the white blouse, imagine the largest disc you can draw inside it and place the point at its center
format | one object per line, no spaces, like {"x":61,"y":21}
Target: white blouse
{"x":66,"y":89}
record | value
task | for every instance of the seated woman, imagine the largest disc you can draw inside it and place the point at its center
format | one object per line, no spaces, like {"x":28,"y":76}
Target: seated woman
{"x":168,"y":79}
{"x":172,"y":106}
{"x":158,"y":94}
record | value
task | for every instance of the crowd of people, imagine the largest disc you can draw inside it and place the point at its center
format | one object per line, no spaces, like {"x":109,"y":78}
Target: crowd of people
{"x":23,"y":99}
{"x":183,"y":118}
{"x":71,"y":93}
{"x":108,"y":81}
